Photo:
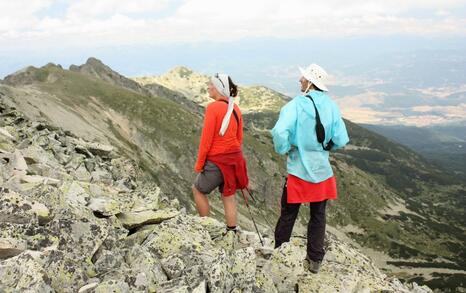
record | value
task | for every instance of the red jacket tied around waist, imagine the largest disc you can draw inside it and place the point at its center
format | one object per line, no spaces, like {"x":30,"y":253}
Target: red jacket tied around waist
{"x":234,"y":171}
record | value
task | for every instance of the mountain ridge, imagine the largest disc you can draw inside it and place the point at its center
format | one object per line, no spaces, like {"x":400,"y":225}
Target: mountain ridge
{"x":193,"y":86}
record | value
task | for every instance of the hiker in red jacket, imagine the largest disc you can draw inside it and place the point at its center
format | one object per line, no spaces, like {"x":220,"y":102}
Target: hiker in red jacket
{"x":220,"y":162}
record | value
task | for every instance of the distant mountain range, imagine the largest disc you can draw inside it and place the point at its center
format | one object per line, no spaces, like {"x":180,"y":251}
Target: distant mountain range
{"x":411,"y":88}
{"x":392,"y":202}
{"x":443,"y":145}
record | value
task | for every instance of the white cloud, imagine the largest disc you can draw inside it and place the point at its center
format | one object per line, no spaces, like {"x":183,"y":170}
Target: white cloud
{"x":85,"y":9}
{"x":120,"y":22}
{"x":19,"y":15}
{"x":21,"y":8}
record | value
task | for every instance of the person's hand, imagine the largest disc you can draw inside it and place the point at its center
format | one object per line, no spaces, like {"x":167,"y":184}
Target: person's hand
{"x":292,"y":149}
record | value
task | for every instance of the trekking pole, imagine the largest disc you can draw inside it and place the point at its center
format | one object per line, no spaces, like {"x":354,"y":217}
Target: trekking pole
{"x":262,"y":212}
{"x":250,"y":213}
{"x":250,"y":194}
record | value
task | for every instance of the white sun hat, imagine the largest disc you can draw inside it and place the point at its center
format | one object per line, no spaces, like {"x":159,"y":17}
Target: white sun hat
{"x":315,"y":74}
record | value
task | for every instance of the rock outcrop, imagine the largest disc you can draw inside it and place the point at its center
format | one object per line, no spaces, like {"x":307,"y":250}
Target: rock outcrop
{"x":95,"y":68}
{"x":75,"y":216}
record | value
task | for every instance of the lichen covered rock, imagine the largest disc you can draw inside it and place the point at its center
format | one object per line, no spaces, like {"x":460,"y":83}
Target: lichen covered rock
{"x":75,"y":217}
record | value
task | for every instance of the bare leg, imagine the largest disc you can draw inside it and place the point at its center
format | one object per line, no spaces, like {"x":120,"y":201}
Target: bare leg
{"x":202,"y":203}
{"x":229,"y":204}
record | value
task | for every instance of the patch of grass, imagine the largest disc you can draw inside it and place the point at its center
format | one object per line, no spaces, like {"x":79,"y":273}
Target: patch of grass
{"x":445,"y":282}
{"x":440,"y":265}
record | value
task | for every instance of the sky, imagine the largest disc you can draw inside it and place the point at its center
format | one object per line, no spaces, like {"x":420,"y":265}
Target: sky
{"x":256,"y":42}
{"x":58,"y":30}
{"x":94,"y":23}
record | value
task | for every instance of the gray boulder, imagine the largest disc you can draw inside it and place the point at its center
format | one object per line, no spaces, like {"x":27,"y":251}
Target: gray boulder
{"x":24,"y":273}
{"x":136,"y":219}
{"x":11,"y":247}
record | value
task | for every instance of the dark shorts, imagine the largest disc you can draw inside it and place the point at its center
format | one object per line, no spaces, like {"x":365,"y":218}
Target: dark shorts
{"x":209,"y":179}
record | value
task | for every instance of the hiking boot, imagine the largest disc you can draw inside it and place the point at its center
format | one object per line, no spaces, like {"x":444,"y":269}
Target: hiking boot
{"x":229,"y":239}
{"x":312,"y":266}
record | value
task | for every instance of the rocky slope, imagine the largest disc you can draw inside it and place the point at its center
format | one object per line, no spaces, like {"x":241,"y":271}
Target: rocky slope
{"x":392,"y":199}
{"x":389,"y":198}
{"x":77,"y":217}
{"x":155,"y":131}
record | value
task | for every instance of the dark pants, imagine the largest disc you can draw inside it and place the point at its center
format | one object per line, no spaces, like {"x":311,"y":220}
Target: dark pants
{"x":315,"y":227}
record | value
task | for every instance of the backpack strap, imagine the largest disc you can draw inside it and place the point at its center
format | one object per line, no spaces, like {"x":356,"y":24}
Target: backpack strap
{"x":320,"y":130}
{"x":234,"y":112}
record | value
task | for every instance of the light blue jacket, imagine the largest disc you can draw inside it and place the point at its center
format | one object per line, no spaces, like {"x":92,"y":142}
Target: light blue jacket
{"x":294,"y":134}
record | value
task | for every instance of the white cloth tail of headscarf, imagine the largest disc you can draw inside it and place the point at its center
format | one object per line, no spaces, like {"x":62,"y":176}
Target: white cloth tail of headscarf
{"x":220,"y":81}
{"x":226,"y":119}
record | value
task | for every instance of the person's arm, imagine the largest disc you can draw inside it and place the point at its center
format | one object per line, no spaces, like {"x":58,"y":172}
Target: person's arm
{"x":207,"y":137}
{"x":340,"y":135}
{"x":284,"y":128}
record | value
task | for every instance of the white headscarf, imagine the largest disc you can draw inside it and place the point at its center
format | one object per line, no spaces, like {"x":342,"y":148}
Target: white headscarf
{"x":220,"y":82}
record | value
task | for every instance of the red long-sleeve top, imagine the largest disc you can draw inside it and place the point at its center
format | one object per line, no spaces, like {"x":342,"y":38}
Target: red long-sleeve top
{"x":211,"y":142}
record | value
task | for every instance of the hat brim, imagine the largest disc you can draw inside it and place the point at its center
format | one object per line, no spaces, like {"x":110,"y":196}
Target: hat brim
{"x":317,"y":83}
{"x":303,"y":72}
{"x":320,"y":85}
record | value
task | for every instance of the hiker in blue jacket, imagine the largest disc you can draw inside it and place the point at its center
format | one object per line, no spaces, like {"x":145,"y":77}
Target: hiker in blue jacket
{"x":309,"y":126}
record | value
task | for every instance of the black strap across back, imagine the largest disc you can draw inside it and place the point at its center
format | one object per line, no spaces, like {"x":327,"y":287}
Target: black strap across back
{"x":320,"y":130}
